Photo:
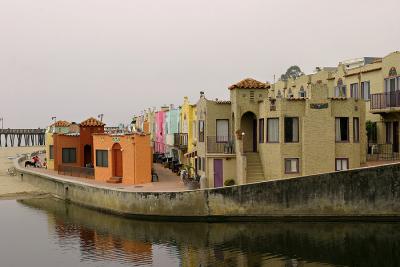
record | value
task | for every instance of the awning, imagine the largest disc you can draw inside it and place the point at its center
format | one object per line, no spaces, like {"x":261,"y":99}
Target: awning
{"x":191,"y":154}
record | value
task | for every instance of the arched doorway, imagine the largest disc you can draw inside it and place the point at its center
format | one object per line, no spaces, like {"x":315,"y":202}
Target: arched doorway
{"x":117,"y":160}
{"x":248,"y":125}
{"x":87,"y":155}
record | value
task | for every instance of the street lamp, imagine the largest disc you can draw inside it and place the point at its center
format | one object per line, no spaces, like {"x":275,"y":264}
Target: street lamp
{"x":100,"y":116}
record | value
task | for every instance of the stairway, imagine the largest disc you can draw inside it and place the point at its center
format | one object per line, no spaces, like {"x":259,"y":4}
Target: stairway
{"x":255,"y":171}
{"x":115,"y":180}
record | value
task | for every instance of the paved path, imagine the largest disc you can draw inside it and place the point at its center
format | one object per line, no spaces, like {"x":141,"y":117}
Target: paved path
{"x":168,"y":181}
{"x":11,"y":186}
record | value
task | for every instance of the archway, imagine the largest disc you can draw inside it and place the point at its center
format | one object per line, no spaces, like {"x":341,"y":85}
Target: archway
{"x":248,"y":125}
{"x":117,"y":160}
{"x":87,"y":155}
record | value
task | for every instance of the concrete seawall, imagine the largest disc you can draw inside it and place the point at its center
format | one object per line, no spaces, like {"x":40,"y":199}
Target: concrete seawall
{"x":359,"y":194}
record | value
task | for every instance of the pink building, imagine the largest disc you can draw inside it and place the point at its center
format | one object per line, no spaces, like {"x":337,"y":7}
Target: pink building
{"x":159,"y":143}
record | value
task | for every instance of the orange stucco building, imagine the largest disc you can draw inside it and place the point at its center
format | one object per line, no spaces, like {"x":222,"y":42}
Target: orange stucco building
{"x":76,"y":148}
{"x":124,"y":158}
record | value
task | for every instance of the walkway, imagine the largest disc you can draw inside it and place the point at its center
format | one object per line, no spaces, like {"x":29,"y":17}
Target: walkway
{"x":168,"y":181}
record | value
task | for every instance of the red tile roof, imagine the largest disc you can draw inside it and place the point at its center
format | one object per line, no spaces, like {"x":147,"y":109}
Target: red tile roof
{"x":91,"y":122}
{"x":249,"y":83}
{"x":61,"y":124}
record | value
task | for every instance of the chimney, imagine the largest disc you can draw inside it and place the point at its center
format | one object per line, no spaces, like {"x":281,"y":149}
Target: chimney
{"x":202,"y":94}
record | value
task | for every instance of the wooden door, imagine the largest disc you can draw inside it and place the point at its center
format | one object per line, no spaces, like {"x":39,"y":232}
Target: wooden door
{"x":117,"y":161}
{"x":218,"y":173}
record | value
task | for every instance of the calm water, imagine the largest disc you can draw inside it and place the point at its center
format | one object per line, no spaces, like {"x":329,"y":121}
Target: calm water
{"x":48,"y":232}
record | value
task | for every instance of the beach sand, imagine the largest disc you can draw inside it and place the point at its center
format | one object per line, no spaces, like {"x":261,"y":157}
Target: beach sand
{"x":11,"y":187}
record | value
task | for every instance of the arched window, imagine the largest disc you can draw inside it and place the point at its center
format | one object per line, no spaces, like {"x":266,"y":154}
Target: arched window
{"x":340,"y":89}
{"x":392,"y":72}
{"x":392,"y":83}
{"x":302,"y":92}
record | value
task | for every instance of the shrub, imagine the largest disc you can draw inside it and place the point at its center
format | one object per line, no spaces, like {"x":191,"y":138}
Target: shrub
{"x":229,"y":182}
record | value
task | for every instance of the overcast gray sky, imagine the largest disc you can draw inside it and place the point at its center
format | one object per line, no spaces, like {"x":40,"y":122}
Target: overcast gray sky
{"x":78,"y":58}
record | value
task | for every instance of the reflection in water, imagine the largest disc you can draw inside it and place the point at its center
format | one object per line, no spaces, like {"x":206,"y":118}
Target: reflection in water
{"x":120,"y":241}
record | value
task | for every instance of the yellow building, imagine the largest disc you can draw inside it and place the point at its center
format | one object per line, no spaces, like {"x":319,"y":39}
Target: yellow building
{"x":374,"y":80}
{"x":186,"y":139}
{"x":57,"y":127}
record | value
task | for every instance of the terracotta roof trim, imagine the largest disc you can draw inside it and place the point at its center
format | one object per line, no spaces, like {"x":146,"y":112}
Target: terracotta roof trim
{"x":92,"y":122}
{"x":249,"y":83}
{"x":61,"y":124}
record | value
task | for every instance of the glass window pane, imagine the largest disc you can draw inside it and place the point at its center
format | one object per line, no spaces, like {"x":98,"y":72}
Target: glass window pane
{"x":222,"y":130}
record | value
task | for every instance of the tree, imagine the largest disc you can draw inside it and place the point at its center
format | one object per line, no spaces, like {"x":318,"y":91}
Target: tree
{"x":292,"y":72}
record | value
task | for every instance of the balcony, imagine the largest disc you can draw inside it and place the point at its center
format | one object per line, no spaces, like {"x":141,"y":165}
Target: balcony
{"x":384,"y":102}
{"x":220,"y":145}
{"x":181,"y":140}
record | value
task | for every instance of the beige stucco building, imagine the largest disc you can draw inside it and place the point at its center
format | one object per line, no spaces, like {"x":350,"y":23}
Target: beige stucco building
{"x":258,"y":135}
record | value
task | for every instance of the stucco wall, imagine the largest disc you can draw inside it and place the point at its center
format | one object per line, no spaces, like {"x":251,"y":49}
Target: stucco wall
{"x":355,"y":194}
{"x":136,"y":158}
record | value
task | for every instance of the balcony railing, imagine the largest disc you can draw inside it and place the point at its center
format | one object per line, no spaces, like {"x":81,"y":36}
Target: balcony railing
{"x":181,"y":140}
{"x":385,"y":100}
{"x":76,"y":171}
{"x":220,"y":145}
{"x":377,"y":152}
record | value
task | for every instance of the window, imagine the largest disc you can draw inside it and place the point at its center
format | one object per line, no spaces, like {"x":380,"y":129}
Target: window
{"x":340,"y":89}
{"x":261,"y":131}
{"x":199,"y":163}
{"x":291,"y":165}
{"x":398,"y":83}
{"x":203,"y":164}
{"x":356,"y":130}
{"x":354,"y":90}
{"x":388,"y":132}
{"x":251,"y":95}
{"x":342,"y":164}
{"x":365,"y":90}
{"x":273,"y":130}
{"x":201,"y":131}
{"x":342,"y":129}
{"x":69,"y":155}
{"x":101,"y":158}
{"x":291,"y":130}
{"x":391,"y":84}
{"x":302,"y":92}
{"x":51,"y":152}
{"x":222,"y":131}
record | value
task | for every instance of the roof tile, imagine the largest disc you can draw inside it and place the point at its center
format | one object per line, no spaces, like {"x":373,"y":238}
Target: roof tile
{"x":249,"y":83}
{"x":91,"y":122}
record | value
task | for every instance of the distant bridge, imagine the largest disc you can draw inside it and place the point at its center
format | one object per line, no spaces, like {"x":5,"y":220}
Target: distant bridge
{"x":22,"y":137}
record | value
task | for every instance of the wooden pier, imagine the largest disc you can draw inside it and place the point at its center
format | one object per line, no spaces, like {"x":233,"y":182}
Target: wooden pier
{"x":22,"y":137}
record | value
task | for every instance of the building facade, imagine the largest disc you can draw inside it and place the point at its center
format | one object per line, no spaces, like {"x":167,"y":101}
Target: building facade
{"x":122,"y":158}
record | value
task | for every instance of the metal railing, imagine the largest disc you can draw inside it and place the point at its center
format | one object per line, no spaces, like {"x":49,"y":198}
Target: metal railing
{"x":220,"y":144}
{"x":382,"y":152}
{"x":76,"y":171}
{"x":385,"y":100}
{"x":181,"y":140}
